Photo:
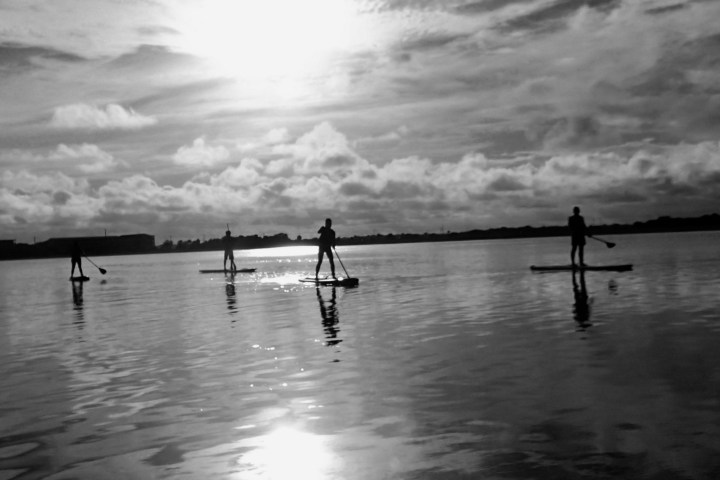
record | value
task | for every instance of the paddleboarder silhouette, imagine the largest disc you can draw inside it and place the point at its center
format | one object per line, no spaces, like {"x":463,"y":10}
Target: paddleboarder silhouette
{"x":326,"y":243}
{"x":76,"y":254}
{"x":229,"y":255}
{"x":578,"y":231}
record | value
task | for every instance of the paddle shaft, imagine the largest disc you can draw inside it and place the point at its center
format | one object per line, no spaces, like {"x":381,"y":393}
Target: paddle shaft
{"x":341,"y":263}
{"x":102,"y":270}
{"x":609,"y":244}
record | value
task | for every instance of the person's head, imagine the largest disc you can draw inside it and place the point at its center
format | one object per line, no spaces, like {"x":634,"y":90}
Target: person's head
{"x":328,"y":222}
{"x":227,"y":233}
{"x":576,"y":210}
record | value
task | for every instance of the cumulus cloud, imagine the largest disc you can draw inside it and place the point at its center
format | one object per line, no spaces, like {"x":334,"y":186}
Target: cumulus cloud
{"x":247,"y":173}
{"x":324,"y":149}
{"x":45,"y":200}
{"x":200,"y":154}
{"x":87,"y":158}
{"x":112,"y":117}
{"x":413,"y":193}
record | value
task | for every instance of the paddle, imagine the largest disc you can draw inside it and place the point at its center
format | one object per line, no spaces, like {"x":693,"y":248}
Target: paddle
{"x":341,"y":263}
{"x":102,"y":270}
{"x":609,"y":244}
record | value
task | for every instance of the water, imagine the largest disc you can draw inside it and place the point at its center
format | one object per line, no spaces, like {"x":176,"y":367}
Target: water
{"x":449,"y":361}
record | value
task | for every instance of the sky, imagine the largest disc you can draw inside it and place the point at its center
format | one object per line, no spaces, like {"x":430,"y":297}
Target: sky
{"x":176,"y":117}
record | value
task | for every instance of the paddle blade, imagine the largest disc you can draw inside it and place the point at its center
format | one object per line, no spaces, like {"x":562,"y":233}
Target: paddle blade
{"x":610,"y":245}
{"x":102,"y":270}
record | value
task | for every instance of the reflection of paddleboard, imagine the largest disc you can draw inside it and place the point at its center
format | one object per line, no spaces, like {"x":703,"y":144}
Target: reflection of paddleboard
{"x":334,"y":282}
{"x":79,"y":279}
{"x":240,"y":270}
{"x":586,"y":268}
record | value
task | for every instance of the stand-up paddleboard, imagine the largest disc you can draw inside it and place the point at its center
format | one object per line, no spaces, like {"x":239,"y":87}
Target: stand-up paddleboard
{"x":79,"y":279}
{"x":333,"y":282}
{"x":239,"y":270}
{"x":587,"y":268}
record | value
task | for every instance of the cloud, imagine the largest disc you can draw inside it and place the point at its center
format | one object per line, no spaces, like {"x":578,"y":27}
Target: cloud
{"x":553,"y":15}
{"x":390,"y":137}
{"x":326,"y":177}
{"x":112,"y":117}
{"x":276,"y":136}
{"x":17,"y":57}
{"x":141,"y":193}
{"x":25,"y":181}
{"x":323,"y":150}
{"x":246,"y":174}
{"x":84,"y":158}
{"x":68,"y":26}
{"x":44,"y":201}
{"x":199,"y":154}
{"x":87,"y":158}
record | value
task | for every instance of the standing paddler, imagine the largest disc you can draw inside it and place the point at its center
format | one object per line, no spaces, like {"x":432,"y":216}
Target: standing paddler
{"x":229,"y":254}
{"x":578,"y":232}
{"x":76,"y":254}
{"x":326,"y":243}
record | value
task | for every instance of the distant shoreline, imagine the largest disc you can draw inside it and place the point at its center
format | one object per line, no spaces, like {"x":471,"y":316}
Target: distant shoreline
{"x":12,"y":251}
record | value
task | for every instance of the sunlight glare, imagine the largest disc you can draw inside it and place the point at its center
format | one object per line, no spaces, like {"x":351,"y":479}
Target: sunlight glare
{"x":289,"y":454}
{"x":294,"y":251}
{"x":269,"y":39}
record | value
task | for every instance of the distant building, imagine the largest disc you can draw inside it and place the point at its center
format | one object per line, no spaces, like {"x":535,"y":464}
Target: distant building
{"x":107,"y":245}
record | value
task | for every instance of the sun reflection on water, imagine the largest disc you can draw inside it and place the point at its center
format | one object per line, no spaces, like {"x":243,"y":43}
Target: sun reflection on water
{"x":294,"y":251}
{"x":288,"y":453}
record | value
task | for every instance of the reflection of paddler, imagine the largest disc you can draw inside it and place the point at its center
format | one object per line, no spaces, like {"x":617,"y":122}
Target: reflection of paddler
{"x":581,"y":307}
{"x":76,"y":255}
{"x":230,"y":292}
{"x":77,"y":292}
{"x":329,"y":316}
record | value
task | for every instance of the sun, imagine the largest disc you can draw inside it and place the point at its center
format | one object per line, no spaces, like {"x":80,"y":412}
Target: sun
{"x":269,"y":40}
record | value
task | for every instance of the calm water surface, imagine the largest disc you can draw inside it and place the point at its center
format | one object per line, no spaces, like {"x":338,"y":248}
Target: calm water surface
{"x":449,"y":361}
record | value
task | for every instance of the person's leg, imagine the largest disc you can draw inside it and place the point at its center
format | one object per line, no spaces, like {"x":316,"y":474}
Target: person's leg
{"x":233,"y":267}
{"x":572,"y":254}
{"x":581,"y":254}
{"x":72,"y":270}
{"x":319,"y":262}
{"x":225,"y":258}
{"x":79,"y":262}
{"x":332,"y":262}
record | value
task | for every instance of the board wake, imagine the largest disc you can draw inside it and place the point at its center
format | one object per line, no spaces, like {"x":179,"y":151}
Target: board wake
{"x":587,"y":268}
{"x":220,"y":270}
{"x":334,"y":282}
